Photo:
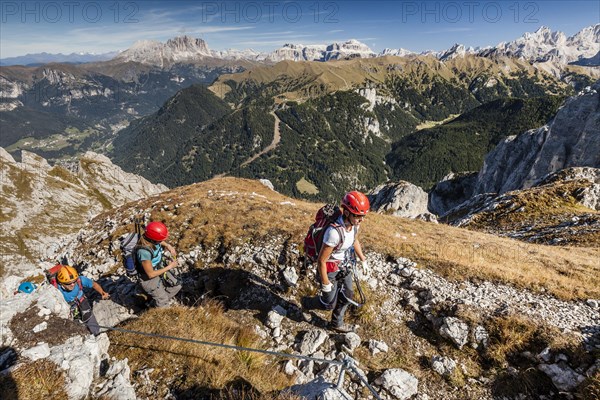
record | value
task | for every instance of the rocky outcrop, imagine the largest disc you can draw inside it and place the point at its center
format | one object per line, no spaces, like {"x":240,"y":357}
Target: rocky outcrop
{"x":571,"y":139}
{"x":516,"y":213}
{"x":44,"y":206}
{"x":451,"y":191}
{"x":588,"y":196}
{"x":402,"y":199}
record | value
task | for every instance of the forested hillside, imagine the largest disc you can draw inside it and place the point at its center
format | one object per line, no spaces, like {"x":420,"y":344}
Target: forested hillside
{"x":346,"y":124}
{"x":426,"y":156}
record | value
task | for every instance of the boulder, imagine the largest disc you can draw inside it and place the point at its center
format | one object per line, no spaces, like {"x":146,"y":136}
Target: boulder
{"x":319,"y":389}
{"x":275,"y":316}
{"x":444,"y":366}
{"x":563,"y":377}
{"x":109,"y":313}
{"x":479,"y":337}
{"x":376,"y":346}
{"x":352,"y":341}
{"x":451,"y":191}
{"x":312,"y":340}
{"x":455,"y":330}
{"x":398,"y":383}
{"x":402,"y":199}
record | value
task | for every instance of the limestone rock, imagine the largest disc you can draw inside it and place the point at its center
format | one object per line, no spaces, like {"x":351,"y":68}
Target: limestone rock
{"x":443,"y":365}
{"x":42,"y":350}
{"x":402,"y":199}
{"x":455,"y":330}
{"x":398,"y":383}
{"x":376,"y":346}
{"x":80,"y":358}
{"x":571,"y":139}
{"x":453,"y":190}
{"x":267,"y":183}
{"x":319,"y":389}
{"x":118,"y":386}
{"x":563,"y":377}
{"x":275,"y":316}
{"x":312,"y":340}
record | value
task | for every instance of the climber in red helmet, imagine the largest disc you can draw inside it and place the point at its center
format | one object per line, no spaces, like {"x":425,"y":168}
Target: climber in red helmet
{"x":332,"y":267}
{"x":155,"y":278}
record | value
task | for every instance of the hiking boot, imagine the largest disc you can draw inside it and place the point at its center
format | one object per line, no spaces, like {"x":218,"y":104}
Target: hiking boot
{"x":343,"y":328}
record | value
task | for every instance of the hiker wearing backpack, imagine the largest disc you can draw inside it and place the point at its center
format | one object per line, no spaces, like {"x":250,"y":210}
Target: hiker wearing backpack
{"x":157,"y":281}
{"x":71,"y":286}
{"x":334,"y":271}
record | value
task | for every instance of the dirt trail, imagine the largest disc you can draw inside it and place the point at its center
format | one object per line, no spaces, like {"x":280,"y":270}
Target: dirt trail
{"x":274,"y":143}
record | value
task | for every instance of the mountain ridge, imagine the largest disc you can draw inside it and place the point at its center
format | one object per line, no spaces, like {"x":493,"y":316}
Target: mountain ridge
{"x":539,"y":46}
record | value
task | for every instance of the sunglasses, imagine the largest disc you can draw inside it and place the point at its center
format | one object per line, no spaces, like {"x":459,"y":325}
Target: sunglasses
{"x":357,"y":216}
{"x":68,"y":284}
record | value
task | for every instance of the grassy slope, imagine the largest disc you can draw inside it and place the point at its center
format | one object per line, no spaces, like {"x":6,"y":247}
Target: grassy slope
{"x":209,"y":218}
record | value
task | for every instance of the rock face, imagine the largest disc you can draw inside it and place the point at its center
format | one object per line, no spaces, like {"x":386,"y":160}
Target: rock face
{"x":297,"y":52}
{"x":402,"y":199}
{"x":572,"y":139}
{"x":515,"y":214}
{"x":546,"y":45}
{"x":451,"y":191}
{"x":32,"y":188}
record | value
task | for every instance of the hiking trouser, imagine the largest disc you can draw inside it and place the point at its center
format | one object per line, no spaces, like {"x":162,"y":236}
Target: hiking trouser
{"x":158,"y":291}
{"x":88,"y":317}
{"x":337,"y":298}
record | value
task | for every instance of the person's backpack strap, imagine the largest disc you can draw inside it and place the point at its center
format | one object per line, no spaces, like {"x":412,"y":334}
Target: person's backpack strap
{"x":340,"y":231}
{"x":136,"y":261}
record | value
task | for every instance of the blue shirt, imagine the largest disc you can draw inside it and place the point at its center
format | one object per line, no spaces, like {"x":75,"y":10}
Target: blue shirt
{"x":144,"y":254}
{"x":76,"y":293}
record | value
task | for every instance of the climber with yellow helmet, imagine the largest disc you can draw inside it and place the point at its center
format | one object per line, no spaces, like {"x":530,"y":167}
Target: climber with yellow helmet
{"x":71,"y":286}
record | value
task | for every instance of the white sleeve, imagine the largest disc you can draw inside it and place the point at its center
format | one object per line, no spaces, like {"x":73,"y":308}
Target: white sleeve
{"x":332,"y":237}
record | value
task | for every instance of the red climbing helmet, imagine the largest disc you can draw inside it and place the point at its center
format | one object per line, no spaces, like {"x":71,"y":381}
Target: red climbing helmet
{"x":156,"y":231}
{"x":356,"y":203}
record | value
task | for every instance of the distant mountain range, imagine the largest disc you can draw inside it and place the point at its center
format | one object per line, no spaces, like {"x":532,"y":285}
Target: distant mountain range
{"x":45,"y":58}
{"x":539,"y":46}
{"x":60,"y":110}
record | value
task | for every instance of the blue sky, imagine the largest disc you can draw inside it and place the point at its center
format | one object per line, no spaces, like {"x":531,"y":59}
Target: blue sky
{"x":97,"y":26}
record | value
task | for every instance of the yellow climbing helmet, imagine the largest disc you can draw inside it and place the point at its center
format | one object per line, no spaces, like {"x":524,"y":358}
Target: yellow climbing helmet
{"x":67,"y":274}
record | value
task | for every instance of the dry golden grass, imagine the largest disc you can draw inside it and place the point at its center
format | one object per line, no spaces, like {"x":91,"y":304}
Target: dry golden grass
{"x":590,"y":388}
{"x":545,"y":208}
{"x":229,"y":211}
{"x":512,"y":334}
{"x":508,"y":336}
{"x":321,"y":78}
{"x":191,"y":365}
{"x":38,"y":380}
